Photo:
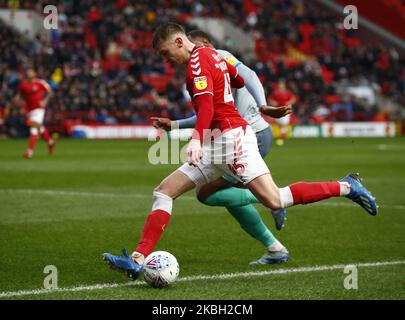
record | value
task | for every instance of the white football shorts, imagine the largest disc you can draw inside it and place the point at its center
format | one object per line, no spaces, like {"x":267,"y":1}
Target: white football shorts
{"x":37,"y":115}
{"x":284,"y":121}
{"x":234,"y":152}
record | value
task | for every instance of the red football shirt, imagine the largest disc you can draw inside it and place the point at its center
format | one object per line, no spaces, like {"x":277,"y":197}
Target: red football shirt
{"x":33,"y":93}
{"x":208,"y":73}
{"x":282,"y":97}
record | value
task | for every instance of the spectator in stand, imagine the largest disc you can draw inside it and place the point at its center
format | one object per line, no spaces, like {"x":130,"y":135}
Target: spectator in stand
{"x":15,"y":123}
{"x":93,"y":79}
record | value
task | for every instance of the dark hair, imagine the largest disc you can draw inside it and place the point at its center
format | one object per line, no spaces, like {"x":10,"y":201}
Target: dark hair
{"x":199,"y":34}
{"x":164,"y":31}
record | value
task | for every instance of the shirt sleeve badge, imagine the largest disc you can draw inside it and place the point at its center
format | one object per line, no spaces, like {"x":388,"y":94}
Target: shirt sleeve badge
{"x":232,"y":60}
{"x":200,"y":82}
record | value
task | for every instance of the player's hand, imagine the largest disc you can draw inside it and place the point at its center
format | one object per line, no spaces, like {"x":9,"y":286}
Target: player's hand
{"x":194,"y":152}
{"x":162,"y":123}
{"x":276,"y":112}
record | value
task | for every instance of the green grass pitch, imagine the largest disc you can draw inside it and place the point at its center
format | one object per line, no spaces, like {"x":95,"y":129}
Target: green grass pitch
{"x":93,"y":196}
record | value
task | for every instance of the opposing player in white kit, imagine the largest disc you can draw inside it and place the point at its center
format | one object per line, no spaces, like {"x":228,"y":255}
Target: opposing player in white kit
{"x":248,"y":100}
{"x":229,"y":146}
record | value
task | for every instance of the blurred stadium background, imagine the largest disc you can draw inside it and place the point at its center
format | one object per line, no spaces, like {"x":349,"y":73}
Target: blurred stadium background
{"x":108,"y":82}
{"x":92,"y":196}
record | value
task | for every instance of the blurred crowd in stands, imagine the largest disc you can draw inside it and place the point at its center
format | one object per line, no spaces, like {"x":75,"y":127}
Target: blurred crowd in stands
{"x":102,"y":69}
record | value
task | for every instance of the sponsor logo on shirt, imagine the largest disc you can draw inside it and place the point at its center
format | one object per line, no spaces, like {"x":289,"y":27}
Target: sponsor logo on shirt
{"x":232,"y":60}
{"x":200,"y":82}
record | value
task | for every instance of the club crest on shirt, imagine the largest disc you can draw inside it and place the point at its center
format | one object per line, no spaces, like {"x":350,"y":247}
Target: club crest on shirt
{"x":200,"y":82}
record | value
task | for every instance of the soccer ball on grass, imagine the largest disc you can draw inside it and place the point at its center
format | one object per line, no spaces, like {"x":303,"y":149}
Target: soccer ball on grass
{"x":160,"y":269}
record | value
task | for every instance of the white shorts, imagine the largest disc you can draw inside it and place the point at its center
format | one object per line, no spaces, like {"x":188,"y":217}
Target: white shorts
{"x":37,"y":115}
{"x":284,"y":121}
{"x":235,"y":152}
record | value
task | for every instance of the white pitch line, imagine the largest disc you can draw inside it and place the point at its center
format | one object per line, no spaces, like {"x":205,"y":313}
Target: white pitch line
{"x":221,"y":276}
{"x":350,"y":204}
{"x":84,"y":194}
{"x":149,"y":196}
{"x":390,"y":147}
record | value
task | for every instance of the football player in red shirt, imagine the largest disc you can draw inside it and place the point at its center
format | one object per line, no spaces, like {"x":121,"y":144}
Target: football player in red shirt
{"x":229,"y":146}
{"x":36,"y":94}
{"x":282,"y":97}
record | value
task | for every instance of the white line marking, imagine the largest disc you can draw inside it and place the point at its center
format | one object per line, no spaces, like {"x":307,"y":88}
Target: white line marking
{"x":390,"y":146}
{"x":149,"y":196}
{"x":84,"y":194}
{"x":223,"y":276}
{"x":351,"y":204}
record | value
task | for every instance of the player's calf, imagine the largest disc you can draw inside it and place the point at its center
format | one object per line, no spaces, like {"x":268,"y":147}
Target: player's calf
{"x":32,"y":142}
{"x":266,"y":191}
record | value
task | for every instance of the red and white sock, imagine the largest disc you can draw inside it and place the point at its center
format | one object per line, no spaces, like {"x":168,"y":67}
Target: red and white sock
{"x":155,"y":224}
{"x":32,"y":142}
{"x":45,"y":135}
{"x":309,"y":192}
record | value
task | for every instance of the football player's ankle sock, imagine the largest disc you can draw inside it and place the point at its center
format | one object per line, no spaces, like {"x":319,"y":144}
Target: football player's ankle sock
{"x":251,"y":221}
{"x":308,"y":192}
{"x":32,"y":142}
{"x":230,"y":197}
{"x":138,"y":257}
{"x":344,"y":188}
{"x":156,"y":223}
{"x":276,"y":246}
{"x":46,"y":136}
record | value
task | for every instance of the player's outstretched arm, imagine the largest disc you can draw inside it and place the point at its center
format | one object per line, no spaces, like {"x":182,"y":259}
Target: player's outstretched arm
{"x":251,"y":80}
{"x":187,"y":122}
{"x":162,"y":123}
{"x":168,"y":125}
{"x":252,"y":84}
{"x":49,"y":93}
{"x":276,"y":112}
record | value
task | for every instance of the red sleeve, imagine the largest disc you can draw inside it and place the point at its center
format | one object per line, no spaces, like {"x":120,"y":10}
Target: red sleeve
{"x":45,"y":85}
{"x":205,"y":105}
{"x":202,"y":84}
{"x":236,"y":80}
{"x":200,"y":76}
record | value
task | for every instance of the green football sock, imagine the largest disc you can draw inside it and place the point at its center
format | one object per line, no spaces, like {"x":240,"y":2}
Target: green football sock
{"x":251,"y":221}
{"x":239,"y":204}
{"x":231,"y":197}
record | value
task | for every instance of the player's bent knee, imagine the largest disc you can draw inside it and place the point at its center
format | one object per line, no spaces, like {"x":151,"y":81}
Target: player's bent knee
{"x":165,"y":188}
{"x":161,"y":189}
{"x":202,"y":195}
{"x":34,"y":131}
